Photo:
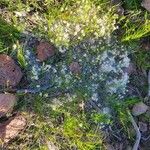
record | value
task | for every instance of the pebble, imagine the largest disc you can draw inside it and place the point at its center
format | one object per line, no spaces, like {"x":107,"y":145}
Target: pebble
{"x":139,"y":108}
{"x":44,"y":51}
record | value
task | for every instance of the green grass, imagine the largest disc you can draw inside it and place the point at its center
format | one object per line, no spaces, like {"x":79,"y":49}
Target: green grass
{"x":142,"y":58}
{"x":64,"y":22}
{"x":136,"y":27}
{"x":66,"y":126}
{"x":20,"y":56}
{"x":136,"y":32}
{"x":8,"y":35}
{"x":132,"y":4}
{"x":122,"y":113}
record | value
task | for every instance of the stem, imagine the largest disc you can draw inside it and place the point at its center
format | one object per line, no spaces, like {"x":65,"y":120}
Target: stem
{"x":138,"y":133}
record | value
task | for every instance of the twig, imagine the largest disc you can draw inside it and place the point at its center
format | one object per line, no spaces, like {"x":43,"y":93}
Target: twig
{"x":36,"y":90}
{"x":25,"y":91}
{"x":138,"y":133}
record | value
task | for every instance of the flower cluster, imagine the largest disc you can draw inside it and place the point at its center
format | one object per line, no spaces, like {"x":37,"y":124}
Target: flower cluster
{"x":80,"y":20}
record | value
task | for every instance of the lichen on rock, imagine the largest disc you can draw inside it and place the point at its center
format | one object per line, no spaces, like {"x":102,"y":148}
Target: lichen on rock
{"x":100,"y":66}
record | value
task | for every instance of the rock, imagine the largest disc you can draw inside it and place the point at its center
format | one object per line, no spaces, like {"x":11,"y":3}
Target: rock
{"x":146,"y":4}
{"x":143,"y":126}
{"x":7,"y":102}
{"x":10,"y":73}
{"x":139,"y":108}
{"x":75,"y":68}
{"x":45,"y":50}
{"x":11,"y":128}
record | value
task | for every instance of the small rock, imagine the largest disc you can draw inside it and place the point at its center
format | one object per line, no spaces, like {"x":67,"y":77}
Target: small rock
{"x":45,"y":50}
{"x":139,"y":108}
{"x":7,"y":102}
{"x":11,"y":128}
{"x":75,"y":68}
{"x":142,"y":126}
{"x":146,"y":4}
{"x":10,"y":73}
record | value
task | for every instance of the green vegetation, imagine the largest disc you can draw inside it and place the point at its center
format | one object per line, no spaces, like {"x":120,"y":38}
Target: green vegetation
{"x":79,"y":18}
{"x":8,"y":35}
{"x":132,"y":4}
{"x":135,"y":28}
{"x":20,"y":56}
{"x":64,"y":121}
{"x":142,"y":58}
{"x":61,"y":121}
{"x":122,"y":109}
